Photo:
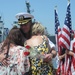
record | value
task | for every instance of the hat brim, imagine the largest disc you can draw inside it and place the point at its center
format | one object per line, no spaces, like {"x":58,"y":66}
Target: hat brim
{"x":23,"y":22}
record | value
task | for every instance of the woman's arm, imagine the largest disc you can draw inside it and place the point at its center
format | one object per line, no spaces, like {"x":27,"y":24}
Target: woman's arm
{"x":70,"y":52}
{"x":52,"y":51}
{"x":62,"y":56}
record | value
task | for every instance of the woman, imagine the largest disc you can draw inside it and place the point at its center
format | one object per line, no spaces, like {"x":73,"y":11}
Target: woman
{"x":39,"y":43}
{"x":14,"y":50}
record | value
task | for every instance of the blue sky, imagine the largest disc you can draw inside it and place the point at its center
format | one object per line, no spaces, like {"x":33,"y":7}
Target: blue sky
{"x":43,"y":12}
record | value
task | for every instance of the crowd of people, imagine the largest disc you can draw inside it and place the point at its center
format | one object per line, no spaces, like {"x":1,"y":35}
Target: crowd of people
{"x":13,"y":60}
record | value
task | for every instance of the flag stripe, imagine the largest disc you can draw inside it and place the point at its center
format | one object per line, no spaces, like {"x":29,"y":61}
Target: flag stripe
{"x":65,"y":45}
{"x":66,"y":31}
{"x":66,"y":38}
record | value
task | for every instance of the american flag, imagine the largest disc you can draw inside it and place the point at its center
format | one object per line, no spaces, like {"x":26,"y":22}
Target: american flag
{"x":66,"y":31}
{"x":57,"y":29}
{"x":66,"y":39}
{"x":57,"y":36}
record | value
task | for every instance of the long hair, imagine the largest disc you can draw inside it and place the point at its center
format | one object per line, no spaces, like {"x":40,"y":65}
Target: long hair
{"x":14,"y":37}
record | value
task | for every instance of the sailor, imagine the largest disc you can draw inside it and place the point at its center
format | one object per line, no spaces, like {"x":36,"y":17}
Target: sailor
{"x":25,"y":23}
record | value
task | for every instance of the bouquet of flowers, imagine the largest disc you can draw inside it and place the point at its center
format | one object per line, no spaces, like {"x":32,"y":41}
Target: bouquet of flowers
{"x":33,"y":52}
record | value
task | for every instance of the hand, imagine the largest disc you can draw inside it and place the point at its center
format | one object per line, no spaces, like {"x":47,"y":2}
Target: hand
{"x":4,"y":62}
{"x":3,"y":59}
{"x":62,"y":56}
{"x":67,"y":51}
{"x":48,"y":57}
{"x":2,"y":56}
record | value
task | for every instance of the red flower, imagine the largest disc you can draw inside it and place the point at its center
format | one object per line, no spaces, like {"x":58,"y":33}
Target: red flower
{"x":28,"y":47}
{"x":26,"y":53}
